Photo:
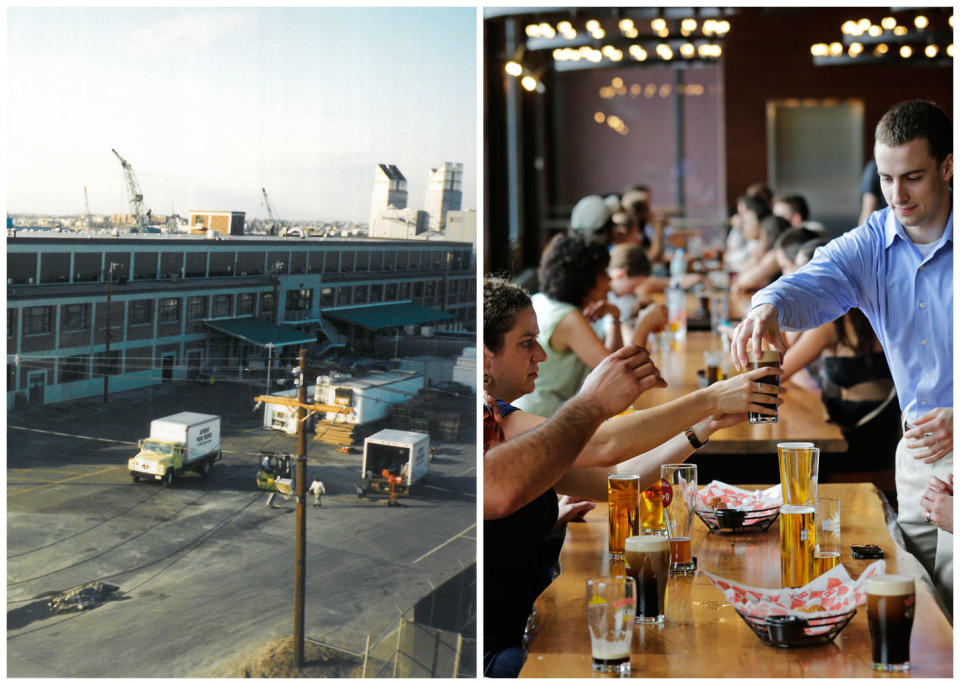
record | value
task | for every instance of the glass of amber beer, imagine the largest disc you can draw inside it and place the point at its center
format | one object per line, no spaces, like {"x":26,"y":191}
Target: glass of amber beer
{"x":797,"y":538}
{"x":679,"y":503}
{"x":611,"y":605}
{"x":648,"y":563}
{"x":623,"y":499}
{"x":799,"y":466}
{"x":891,"y":603}
{"x":766,"y":358}
{"x":826,"y":552}
{"x":651,"y":511}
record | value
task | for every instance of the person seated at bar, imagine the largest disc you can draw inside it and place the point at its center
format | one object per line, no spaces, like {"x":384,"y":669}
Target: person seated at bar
{"x":528,"y":459}
{"x":629,"y":271}
{"x":573,"y":297}
{"x":898,"y":269}
{"x":743,"y":238}
{"x":592,"y":217}
{"x":796,"y":211}
{"x":647,"y":227}
{"x":787,"y":247}
{"x":760,"y":268}
{"x":856,"y":389}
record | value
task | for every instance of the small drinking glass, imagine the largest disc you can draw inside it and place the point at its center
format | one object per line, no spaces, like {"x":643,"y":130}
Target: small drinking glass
{"x":611,"y":608}
{"x":826,"y":553}
{"x":679,"y":503}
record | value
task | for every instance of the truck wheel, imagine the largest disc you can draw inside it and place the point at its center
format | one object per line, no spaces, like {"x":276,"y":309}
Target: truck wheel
{"x":136,"y":478}
{"x":205,"y":468}
{"x":168,"y":479}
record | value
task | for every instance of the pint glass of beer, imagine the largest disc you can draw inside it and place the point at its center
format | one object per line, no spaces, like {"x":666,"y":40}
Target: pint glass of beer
{"x":891,"y":602}
{"x":651,"y":511}
{"x":611,"y":605}
{"x":797,"y":535}
{"x":826,"y":553}
{"x":799,"y":466}
{"x":766,"y":358}
{"x":679,"y":504}
{"x":623,"y":498}
{"x":648,"y":563}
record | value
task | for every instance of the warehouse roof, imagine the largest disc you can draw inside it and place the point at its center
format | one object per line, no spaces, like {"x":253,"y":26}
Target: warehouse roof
{"x":378,"y":316}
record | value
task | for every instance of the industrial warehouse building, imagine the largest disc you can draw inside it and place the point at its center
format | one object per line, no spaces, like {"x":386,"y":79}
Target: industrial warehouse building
{"x":185,"y":305}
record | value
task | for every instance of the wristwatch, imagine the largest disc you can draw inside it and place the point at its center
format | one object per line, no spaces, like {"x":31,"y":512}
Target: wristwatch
{"x":694,"y":440}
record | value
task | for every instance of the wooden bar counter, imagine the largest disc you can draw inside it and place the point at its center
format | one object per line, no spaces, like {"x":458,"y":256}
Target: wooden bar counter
{"x":703,"y":636}
{"x":802,"y":416}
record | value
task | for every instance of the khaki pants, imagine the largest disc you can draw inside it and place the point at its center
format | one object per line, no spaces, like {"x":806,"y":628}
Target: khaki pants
{"x":932,"y":546}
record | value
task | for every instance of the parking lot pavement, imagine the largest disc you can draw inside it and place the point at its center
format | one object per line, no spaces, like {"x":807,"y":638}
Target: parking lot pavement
{"x":205,"y":568}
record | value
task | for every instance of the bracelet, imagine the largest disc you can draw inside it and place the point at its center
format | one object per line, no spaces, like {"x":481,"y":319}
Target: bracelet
{"x":694,"y":440}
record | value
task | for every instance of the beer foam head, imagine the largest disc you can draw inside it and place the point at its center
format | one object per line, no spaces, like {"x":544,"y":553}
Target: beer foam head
{"x":796,"y":509}
{"x":765,"y":357}
{"x":795,"y":445}
{"x":890,"y":585}
{"x":647,"y":543}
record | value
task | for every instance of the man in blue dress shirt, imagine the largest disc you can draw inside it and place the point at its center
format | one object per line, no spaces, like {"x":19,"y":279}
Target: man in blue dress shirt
{"x":898,"y":269}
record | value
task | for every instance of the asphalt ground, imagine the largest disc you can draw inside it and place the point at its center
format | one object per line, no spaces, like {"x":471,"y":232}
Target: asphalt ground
{"x":205,"y":569}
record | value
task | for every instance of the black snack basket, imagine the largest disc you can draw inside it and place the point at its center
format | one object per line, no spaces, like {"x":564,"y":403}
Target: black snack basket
{"x":724,"y":523}
{"x":790,"y":631}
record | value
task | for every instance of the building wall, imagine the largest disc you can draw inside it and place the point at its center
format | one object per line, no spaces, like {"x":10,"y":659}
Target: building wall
{"x":315,"y":275}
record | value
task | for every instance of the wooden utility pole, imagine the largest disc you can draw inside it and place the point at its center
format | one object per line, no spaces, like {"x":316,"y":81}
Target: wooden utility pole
{"x":300,"y":574}
{"x":300,"y":580}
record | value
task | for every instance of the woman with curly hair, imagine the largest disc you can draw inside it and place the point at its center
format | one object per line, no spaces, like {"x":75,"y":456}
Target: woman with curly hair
{"x":573,"y":301}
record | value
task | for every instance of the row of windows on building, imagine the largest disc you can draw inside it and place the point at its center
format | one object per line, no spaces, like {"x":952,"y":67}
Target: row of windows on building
{"x":76,"y":317}
{"x":85,"y":366}
{"x":79,"y":267}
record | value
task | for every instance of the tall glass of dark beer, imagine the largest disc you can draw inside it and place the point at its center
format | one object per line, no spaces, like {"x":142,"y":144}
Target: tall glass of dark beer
{"x":891,"y":603}
{"x":648,"y":563}
{"x":769,"y":358}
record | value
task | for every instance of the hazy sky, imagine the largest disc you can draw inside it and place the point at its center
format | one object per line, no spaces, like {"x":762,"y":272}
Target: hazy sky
{"x":210,"y":105}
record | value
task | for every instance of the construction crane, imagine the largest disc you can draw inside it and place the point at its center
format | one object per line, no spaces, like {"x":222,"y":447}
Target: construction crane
{"x":134,"y":194}
{"x":276,"y":227}
{"x":86,"y":203}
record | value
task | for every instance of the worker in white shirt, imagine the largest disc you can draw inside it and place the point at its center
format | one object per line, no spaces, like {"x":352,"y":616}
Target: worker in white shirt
{"x":316,"y":489}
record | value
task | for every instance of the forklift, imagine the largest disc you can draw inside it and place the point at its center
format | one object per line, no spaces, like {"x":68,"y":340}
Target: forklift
{"x":274,"y":467}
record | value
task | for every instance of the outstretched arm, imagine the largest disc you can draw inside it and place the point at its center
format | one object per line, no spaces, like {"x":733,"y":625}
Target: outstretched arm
{"x":539,"y":451}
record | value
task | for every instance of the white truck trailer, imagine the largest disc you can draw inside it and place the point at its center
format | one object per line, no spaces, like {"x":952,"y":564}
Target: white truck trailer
{"x":177,"y":443}
{"x":394,"y":455}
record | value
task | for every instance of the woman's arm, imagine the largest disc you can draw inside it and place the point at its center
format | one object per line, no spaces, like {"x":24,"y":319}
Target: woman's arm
{"x":808,"y":347}
{"x":591,"y":483}
{"x":574,"y":333}
{"x":757,"y":274}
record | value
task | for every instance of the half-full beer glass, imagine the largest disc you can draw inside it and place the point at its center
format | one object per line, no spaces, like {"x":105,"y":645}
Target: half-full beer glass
{"x":796,"y":544}
{"x":799,"y":466}
{"x":623,"y":499}
{"x":769,"y":358}
{"x":826,"y":553}
{"x":891,"y":603}
{"x":679,"y":504}
{"x":648,"y":563}
{"x":611,"y":605}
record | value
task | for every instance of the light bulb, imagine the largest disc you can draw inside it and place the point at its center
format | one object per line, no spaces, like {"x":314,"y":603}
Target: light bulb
{"x":930,"y":51}
{"x":658,"y":24}
{"x":687,"y":50}
{"x":906,"y":51}
{"x":836,"y":49}
{"x":875,"y":30}
{"x":920,"y":21}
{"x":888,"y":23}
{"x":533,"y":31}
{"x":513,"y":68}
{"x":599,"y":117}
{"x":529,"y":83}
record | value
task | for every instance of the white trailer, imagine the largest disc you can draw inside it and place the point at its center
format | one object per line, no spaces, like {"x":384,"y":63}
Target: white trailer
{"x":395,"y":454}
{"x":366,"y":398}
{"x":280,"y":417}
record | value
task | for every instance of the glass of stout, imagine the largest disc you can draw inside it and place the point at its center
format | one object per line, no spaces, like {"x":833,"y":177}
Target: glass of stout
{"x":891,"y":603}
{"x":769,"y":358}
{"x":648,"y":563}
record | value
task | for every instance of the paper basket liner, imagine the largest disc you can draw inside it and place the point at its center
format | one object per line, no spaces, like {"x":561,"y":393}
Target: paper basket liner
{"x":834,"y":592}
